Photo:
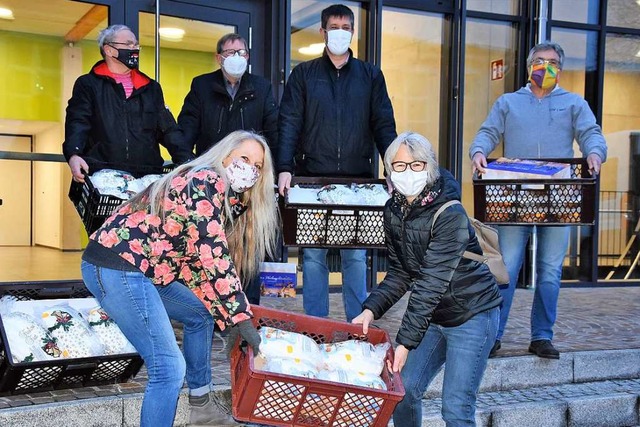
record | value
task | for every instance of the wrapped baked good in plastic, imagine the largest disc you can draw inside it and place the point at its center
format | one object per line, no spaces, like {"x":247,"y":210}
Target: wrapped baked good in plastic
{"x":336,"y":194}
{"x":295,"y":367}
{"x":113,"y":182}
{"x":354,"y":378}
{"x":139,"y":184}
{"x":372,"y":194}
{"x":355,"y":356}
{"x":108,"y":332}
{"x":71,"y":332}
{"x":28,"y":341}
{"x":279,"y":344}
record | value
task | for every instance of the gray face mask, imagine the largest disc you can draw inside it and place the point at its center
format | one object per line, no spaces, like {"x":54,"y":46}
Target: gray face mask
{"x":235,"y":65}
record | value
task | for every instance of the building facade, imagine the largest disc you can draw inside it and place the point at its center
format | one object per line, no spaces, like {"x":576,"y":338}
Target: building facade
{"x":445,"y":62}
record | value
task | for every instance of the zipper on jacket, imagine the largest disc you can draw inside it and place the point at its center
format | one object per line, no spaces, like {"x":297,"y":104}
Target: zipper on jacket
{"x":220,"y":120}
{"x":242,"y":117}
{"x":339,"y":124}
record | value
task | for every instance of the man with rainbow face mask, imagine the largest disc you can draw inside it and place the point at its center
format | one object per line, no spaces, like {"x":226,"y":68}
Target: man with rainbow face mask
{"x":538,"y":121}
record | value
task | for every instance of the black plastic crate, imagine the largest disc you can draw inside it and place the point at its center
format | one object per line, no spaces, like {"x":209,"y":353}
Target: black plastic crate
{"x":20,"y":378}
{"x":341,"y":226}
{"x":566,"y":201}
{"x":94,"y":208}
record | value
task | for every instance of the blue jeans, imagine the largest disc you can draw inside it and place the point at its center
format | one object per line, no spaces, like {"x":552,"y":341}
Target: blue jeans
{"x":315,"y":281}
{"x":464,"y":351}
{"x":553,"y":243}
{"x":143,"y":312}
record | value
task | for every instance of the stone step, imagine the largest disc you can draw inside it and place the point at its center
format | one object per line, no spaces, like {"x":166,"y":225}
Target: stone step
{"x":595,"y":388}
{"x":506,"y":373}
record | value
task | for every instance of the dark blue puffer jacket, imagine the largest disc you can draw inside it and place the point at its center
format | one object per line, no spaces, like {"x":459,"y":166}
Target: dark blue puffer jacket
{"x":446,"y":289}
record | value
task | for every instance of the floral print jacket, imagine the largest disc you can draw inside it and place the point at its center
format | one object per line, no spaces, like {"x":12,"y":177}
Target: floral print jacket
{"x":190,"y":246}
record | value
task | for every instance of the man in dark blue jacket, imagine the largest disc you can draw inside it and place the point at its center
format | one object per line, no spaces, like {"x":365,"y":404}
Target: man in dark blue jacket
{"x":332,"y":111}
{"x":228,"y":99}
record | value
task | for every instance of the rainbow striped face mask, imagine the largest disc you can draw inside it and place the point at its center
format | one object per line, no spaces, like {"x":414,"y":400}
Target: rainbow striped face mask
{"x":544,"y":75}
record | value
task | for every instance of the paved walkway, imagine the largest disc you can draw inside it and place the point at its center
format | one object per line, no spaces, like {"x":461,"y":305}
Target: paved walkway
{"x":589,"y":319}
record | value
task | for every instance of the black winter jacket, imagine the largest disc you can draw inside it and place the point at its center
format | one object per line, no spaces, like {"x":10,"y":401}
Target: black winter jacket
{"x":329,"y":119}
{"x":446,"y":289}
{"x":109,"y":130}
{"x":209,"y":114}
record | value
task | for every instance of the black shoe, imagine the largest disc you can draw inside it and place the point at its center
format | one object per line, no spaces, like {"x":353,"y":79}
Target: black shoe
{"x":544,"y":348}
{"x":496,"y":346}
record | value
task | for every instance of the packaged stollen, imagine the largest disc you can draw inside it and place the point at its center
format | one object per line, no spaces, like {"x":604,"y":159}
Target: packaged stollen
{"x":27,"y":340}
{"x":71,"y":332}
{"x":279,"y":344}
{"x":121,"y":184}
{"x":355,"y":356}
{"x":361,"y":379}
{"x":108,"y":332}
{"x":337,"y":194}
{"x":373,"y":194}
{"x":516,"y":169}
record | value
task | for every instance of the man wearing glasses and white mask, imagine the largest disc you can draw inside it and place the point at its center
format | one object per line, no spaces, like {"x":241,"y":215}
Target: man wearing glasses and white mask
{"x":538,"y":121}
{"x":228,"y":99}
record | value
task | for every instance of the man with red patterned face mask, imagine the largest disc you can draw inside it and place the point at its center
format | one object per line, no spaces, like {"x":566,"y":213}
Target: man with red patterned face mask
{"x":538,"y":121}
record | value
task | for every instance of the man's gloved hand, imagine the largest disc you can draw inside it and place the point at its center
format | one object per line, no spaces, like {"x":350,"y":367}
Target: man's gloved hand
{"x":248,"y":332}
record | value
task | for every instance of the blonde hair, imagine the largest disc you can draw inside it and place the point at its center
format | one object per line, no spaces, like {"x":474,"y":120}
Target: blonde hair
{"x":420,"y":149}
{"x":252,"y":235}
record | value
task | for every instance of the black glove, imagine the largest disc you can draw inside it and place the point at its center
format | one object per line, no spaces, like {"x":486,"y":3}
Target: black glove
{"x":248,"y":332}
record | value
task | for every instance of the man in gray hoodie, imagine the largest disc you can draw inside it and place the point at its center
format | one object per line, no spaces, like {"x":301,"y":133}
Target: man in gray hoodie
{"x":538,"y":121}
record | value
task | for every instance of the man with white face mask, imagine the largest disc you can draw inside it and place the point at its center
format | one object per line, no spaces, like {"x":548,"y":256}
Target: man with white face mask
{"x":227,"y":100}
{"x":334,"y":112}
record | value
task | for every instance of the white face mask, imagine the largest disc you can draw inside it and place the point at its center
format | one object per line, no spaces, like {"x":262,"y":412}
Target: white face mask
{"x":241,"y":175}
{"x":235,"y":65}
{"x":338,"y":41}
{"x":409,"y":183}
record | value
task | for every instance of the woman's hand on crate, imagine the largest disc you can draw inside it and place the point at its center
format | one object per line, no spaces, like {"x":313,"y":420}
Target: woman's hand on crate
{"x":248,"y":332}
{"x":399,"y":359}
{"x":78,"y":168}
{"x":364,"y":319}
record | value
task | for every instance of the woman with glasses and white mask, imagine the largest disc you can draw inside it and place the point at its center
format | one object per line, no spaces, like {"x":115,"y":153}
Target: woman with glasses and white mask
{"x":176,"y":251}
{"x":453,"y":307}
{"x":116,"y":117}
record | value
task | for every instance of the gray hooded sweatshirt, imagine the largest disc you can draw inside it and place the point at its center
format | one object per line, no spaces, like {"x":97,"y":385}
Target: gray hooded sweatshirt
{"x":533,"y":128}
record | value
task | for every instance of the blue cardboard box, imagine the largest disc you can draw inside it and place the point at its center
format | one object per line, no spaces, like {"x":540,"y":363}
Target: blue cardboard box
{"x":504,"y":168}
{"x":278,"y":279}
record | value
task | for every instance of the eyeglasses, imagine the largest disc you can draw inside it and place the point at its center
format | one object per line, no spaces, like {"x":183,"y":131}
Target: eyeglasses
{"x":131,"y":45}
{"x":230,"y":52}
{"x":541,"y":61}
{"x":416,"y":166}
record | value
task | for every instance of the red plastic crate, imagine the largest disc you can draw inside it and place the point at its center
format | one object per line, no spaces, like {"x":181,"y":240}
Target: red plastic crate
{"x":285,"y":400}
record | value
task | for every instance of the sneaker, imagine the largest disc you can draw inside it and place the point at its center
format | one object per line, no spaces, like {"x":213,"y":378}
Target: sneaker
{"x":206,"y":411}
{"x":496,"y":346}
{"x":544,"y":348}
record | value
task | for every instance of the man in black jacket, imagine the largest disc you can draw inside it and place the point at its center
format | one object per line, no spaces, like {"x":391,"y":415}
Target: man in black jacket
{"x":116,"y":117}
{"x":332,"y":111}
{"x":228,"y":99}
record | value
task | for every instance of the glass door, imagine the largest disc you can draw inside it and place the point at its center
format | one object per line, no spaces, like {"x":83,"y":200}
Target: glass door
{"x":188,"y":35}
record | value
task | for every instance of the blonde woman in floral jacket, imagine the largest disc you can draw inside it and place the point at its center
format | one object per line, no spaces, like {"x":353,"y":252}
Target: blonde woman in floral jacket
{"x":176,"y":251}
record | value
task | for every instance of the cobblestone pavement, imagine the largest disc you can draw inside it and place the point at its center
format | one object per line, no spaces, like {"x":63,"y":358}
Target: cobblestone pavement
{"x":588,"y":319}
